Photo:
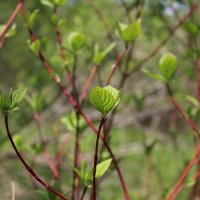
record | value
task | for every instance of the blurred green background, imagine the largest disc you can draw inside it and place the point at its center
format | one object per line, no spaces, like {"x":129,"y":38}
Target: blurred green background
{"x":151,"y":141}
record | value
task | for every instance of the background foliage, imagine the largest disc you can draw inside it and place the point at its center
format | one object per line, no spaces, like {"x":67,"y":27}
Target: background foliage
{"x":150,"y":140}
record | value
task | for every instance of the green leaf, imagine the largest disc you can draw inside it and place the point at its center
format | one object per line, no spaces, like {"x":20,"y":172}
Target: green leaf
{"x":17,"y":96}
{"x":35,"y":46}
{"x":103,"y":167}
{"x":83,"y":169}
{"x":192,"y":100}
{"x":191,"y":27}
{"x":53,"y":3}
{"x":11,"y":32}
{"x":10,"y":102}
{"x":36,"y":149}
{"x":100,"y":171}
{"x":77,"y":40}
{"x":78,"y":172}
{"x":32,"y":17}
{"x":168,"y":65}
{"x":104,"y":99}
{"x":99,"y":56}
{"x":190,"y":182}
{"x":70,"y":121}
{"x":158,"y":77}
{"x":128,"y":33}
{"x":48,"y":3}
{"x":114,"y":92}
{"x":59,"y":2}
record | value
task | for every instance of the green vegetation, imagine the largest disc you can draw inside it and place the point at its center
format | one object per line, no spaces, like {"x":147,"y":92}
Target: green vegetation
{"x":107,"y":95}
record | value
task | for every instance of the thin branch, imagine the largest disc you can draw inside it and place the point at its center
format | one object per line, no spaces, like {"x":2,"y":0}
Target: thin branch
{"x":28,"y":168}
{"x":96,"y":157}
{"x":51,"y":164}
{"x":183,"y":114}
{"x":11,"y":19}
{"x":62,"y":50}
{"x":165,"y":40}
{"x":117,"y":61}
{"x":77,"y":108}
{"x":2,"y":41}
{"x":76,"y":178}
{"x":84,"y":192}
{"x":177,"y":188}
{"x":88,"y":83}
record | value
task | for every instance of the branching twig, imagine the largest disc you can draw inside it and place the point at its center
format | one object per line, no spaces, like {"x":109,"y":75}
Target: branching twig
{"x":177,"y":188}
{"x":77,"y":108}
{"x":183,"y":114}
{"x":164,"y":41}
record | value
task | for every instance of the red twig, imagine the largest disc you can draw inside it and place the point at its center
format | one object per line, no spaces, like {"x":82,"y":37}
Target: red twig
{"x":62,"y":53}
{"x":77,"y":108}
{"x":165,"y":40}
{"x":178,"y":187}
{"x":119,"y":58}
{"x":11,"y":19}
{"x":50,"y":164}
{"x":2,"y":42}
{"x":28,"y":168}
{"x":60,"y":151}
{"x":88,"y":83}
{"x":183,"y":114}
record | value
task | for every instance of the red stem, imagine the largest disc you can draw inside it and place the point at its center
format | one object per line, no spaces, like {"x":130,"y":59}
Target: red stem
{"x":183,"y":114}
{"x":77,"y":108}
{"x":62,"y":53}
{"x":60,"y":151}
{"x":165,"y":40}
{"x":28,"y":168}
{"x":51,"y":165}
{"x":177,"y":188}
{"x":12,"y":17}
{"x":2,"y":42}
{"x":88,"y":83}
{"x":119,"y":58}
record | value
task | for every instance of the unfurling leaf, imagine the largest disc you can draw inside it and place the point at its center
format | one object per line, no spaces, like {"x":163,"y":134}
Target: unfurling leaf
{"x":32,"y":17}
{"x":77,"y":40}
{"x":103,"y":167}
{"x":100,"y":171}
{"x":70,"y":121}
{"x":35,"y":46}
{"x":128,"y":33}
{"x":158,"y":77}
{"x":99,"y":56}
{"x":12,"y":31}
{"x":104,"y":99}
{"x":53,"y":3}
{"x":12,"y":100}
{"x":168,"y":65}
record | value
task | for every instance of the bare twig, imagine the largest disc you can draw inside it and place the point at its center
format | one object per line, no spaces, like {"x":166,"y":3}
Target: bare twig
{"x":28,"y":168}
{"x":11,"y":19}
